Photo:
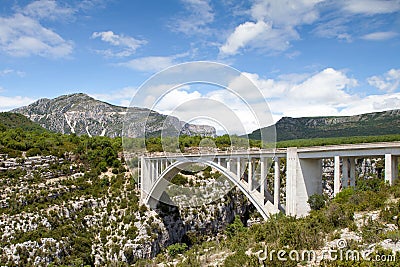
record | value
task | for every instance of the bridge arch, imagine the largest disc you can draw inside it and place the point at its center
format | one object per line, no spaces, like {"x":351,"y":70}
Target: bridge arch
{"x":256,"y":198}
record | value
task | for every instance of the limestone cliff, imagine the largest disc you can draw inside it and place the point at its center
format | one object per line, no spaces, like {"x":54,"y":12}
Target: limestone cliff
{"x":82,"y":114}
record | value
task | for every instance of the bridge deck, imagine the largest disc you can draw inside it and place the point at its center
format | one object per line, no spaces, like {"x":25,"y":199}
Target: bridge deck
{"x":328,"y":151}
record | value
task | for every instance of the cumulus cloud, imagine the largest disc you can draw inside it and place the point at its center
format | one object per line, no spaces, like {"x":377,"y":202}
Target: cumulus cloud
{"x":273,"y":25}
{"x":388,"y":82}
{"x":326,"y":87}
{"x":22,"y":34}
{"x":221,"y":108}
{"x":9,"y":103}
{"x":120,"y":97}
{"x":243,"y":34}
{"x":309,"y":94}
{"x":372,"y":103}
{"x":175,"y":98}
{"x":327,"y":92}
{"x":127,"y":44}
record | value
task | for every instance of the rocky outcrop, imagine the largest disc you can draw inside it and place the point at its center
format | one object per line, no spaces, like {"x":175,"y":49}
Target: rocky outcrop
{"x":82,"y":114}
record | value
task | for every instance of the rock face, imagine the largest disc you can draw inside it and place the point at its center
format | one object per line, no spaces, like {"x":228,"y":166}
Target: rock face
{"x":82,"y":114}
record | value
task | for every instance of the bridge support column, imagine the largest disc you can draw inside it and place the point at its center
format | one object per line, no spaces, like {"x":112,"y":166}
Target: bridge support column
{"x":348,"y":172}
{"x":352,"y":172}
{"x":238,"y":170}
{"x":250,"y":175}
{"x":303,"y":179}
{"x":336,"y":176}
{"x":345,"y":172}
{"x":145,"y":179}
{"x":262,"y":177}
{"x":391,"y":168}
{"x":277,"y":183}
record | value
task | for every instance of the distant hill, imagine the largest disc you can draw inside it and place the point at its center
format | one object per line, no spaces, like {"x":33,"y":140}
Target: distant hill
{"x":369,"y":124}
{"x":13,"y":120}
{"x":82,"y":114}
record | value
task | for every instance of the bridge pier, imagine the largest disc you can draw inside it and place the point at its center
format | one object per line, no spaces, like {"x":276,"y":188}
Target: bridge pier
{"x":303,"y":179}
{"x":391,"y":168}
{"x":277,"y":183}
{"x":348,"y":172}
{"x":250,"y":175}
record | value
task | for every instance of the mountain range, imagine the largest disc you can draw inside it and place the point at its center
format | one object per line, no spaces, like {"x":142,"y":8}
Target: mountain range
{"x":369,"y":124}
{"x":82,"y":114}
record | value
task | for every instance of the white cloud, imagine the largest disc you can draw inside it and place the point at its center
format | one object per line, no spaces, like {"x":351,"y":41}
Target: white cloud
{"x":11,"y":71}
{"x":200,"y":15}
{"x":322,"y":93}
{"x":327,"y":92}
{"x":274,"y":27}
{"x":326,"y":87}
{"x":286,"y":13}
{"x":388,"y":82}
{"x":371,"y":7}
{"x":5,"y":72}
{"x":86,"y":5}
{"x":175,"y":98}
{"x":47,"y":9}
{"x":334,"y":28}
{"x":379,"y":36}
{"x":227,"y":112}
{"x":21,"y":35}
{"x":120,"y":97}
{"x":243,"y":34}
{"x":151,"y":64}
{"x":372,"y":103}
{"x":8,"y":103}
{"x":127,"y":44}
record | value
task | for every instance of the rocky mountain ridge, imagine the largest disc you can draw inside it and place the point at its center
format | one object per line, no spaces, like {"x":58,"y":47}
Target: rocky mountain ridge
{"x":369,"y":124}
{"x":82,"y":114}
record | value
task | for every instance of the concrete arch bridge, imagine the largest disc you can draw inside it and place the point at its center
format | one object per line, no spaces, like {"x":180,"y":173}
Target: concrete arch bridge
{"x":248,"y":171}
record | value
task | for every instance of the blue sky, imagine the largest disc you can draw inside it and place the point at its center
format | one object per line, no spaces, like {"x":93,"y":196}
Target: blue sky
{"x":308,"y":57}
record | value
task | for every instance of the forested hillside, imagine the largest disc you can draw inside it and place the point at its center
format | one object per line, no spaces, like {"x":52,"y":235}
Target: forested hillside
{"x":370,"y":124}
{"x":14,"y":120}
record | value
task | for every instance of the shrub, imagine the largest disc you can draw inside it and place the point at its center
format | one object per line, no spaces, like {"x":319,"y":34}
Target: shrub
{"x":235,"y":227}
{"x":176,"y":249}
{"x":338,"y":215}
{"x":343,"y":196}
{"x":373,"y":184}
{"x":179,"y":179}
{"x":33,"y":152}
{"x":238,"y":259}
{"x":316,"y":201}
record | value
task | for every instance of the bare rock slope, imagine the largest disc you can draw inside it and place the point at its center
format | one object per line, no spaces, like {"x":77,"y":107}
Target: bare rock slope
{"x":82,"y":114}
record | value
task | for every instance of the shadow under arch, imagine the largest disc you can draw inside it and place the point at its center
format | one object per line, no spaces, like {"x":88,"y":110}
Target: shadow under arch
{"x":157,"y":191}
